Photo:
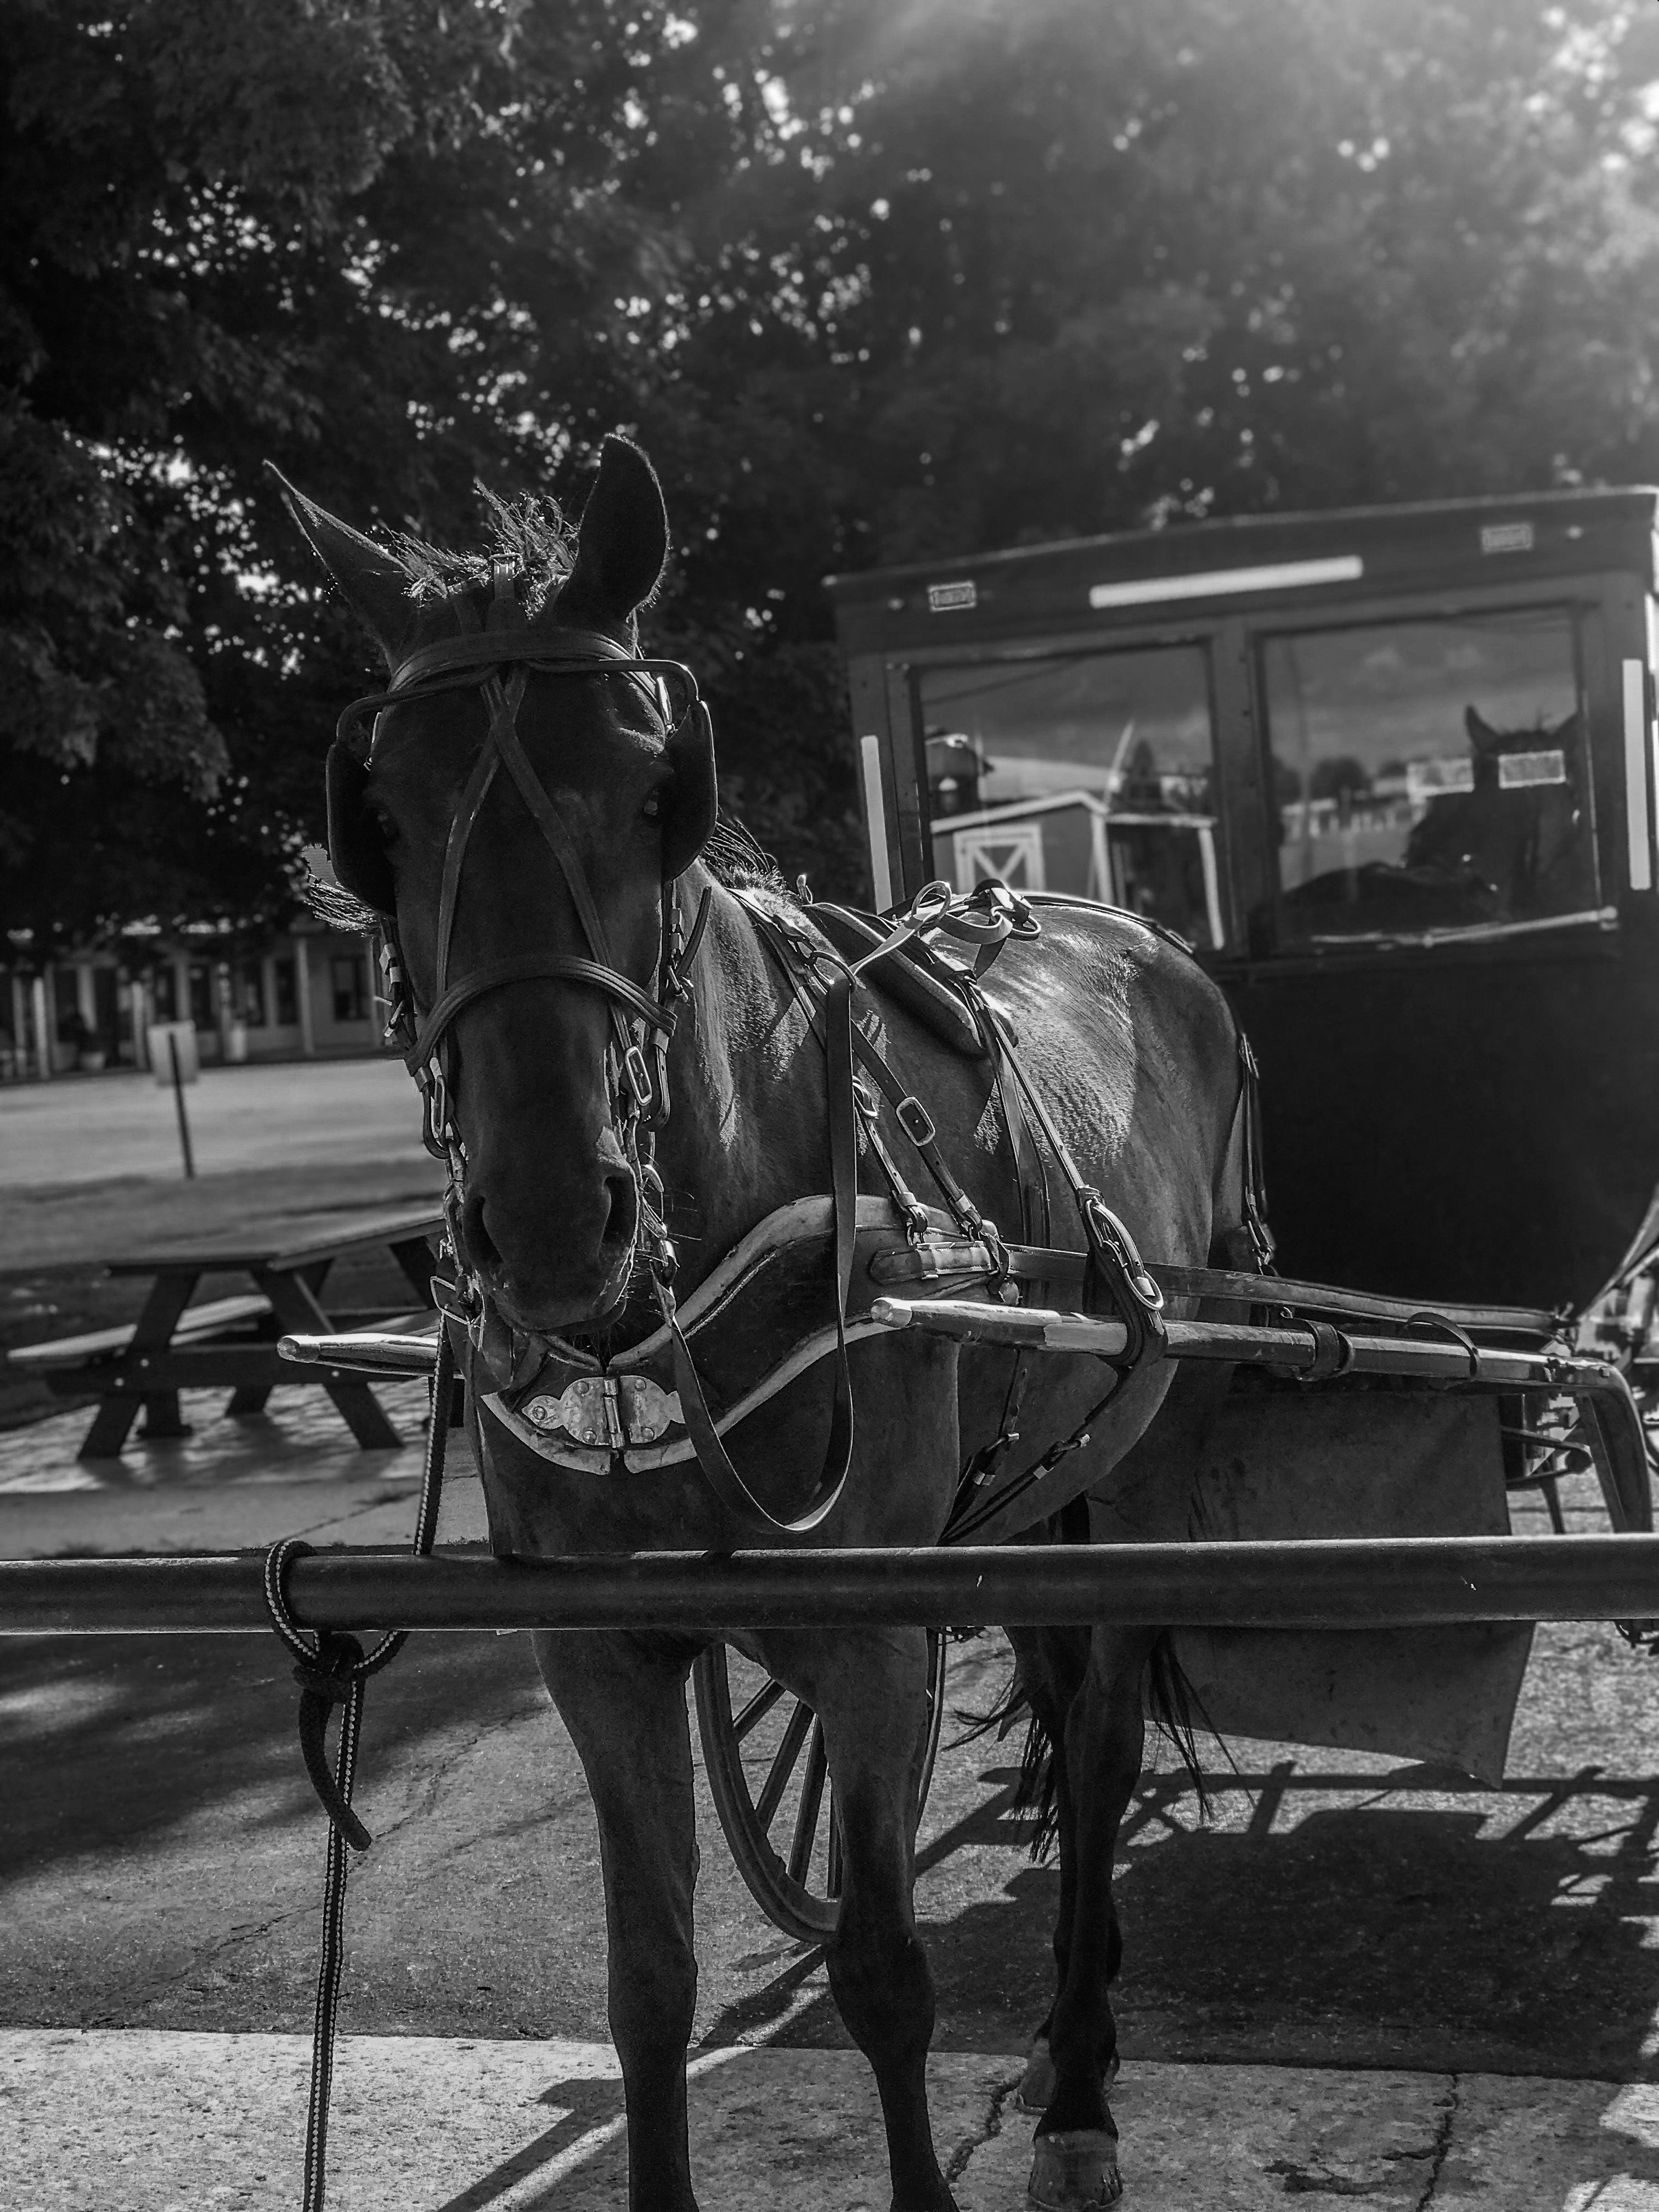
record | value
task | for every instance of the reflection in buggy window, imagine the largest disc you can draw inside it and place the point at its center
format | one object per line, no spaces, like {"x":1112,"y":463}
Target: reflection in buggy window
{"x":1430,"y":776}
{"x":1090,"y":773}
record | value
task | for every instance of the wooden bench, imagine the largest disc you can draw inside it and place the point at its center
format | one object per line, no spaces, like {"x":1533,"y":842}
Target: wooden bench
{"x":211,"y":1319}
{"x":230,"y":1343}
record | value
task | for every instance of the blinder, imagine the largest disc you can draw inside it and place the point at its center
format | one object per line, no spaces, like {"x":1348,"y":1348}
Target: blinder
{"x":354,"y":847}
{"x":689,"y":821}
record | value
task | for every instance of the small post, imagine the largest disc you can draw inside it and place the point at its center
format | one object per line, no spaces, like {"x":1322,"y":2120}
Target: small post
{"x":178,"y":1101}
{"x":875,"y":812}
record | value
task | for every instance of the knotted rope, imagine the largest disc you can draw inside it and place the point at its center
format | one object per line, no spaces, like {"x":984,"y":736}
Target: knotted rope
{"x":331,"y":1669}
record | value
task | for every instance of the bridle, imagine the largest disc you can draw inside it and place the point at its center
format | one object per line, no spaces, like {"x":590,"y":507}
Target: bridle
{"x":498,"y":662}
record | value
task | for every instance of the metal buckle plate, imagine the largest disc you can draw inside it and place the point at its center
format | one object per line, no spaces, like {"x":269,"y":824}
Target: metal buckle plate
{"x":611,"y":1411}
{"x":916,"y":1120}
{"x":637,"y":1076}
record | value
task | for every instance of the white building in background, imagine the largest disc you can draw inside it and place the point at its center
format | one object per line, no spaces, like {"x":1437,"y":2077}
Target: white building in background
{"x":306,"y":993}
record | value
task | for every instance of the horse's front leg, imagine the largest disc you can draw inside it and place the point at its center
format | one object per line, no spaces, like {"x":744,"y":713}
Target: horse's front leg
{"x":1075,"y":2153}
{"x":870,"y":1690}
{"x":623,"y":1699}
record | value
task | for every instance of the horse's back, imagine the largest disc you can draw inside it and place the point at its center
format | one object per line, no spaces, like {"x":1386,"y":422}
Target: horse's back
{"x":1132,"y":1045}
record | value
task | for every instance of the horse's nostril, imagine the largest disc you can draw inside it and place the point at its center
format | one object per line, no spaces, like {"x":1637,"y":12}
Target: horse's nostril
{"x":624,"y":1215}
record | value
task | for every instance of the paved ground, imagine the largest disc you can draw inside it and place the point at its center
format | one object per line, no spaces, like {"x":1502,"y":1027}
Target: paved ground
{"x":89,"y":1171}
{"x":157,"y":2123}
{"x":1356,"y":1977}
{"x":87,"y":1129}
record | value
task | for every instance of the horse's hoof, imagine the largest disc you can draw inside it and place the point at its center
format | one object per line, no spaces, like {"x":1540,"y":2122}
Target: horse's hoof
{"x":1074,"y":2169}
{"x":1035,"y":2092}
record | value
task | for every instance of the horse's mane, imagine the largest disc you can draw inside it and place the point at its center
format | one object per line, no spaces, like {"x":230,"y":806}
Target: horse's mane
{"x":530,"y":531}
{"x":533,"y":533}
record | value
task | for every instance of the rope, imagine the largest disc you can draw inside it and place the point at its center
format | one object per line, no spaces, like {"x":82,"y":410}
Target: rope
{"x":331,"y":1669}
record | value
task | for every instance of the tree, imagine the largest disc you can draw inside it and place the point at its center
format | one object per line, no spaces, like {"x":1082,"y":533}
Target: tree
{"x":871,"y":284}
{"x":390,"y":246}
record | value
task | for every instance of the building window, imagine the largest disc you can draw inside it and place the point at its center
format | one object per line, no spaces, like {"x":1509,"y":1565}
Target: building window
{"x":164,"y":990}
{"x":250,"y":1000}
{"x":351,"y":987}
{"x":203,"y":1011}
{"x":287,"y":998}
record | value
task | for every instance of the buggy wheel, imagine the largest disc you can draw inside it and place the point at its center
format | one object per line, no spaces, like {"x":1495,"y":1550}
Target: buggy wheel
{"x":763,"y":1749}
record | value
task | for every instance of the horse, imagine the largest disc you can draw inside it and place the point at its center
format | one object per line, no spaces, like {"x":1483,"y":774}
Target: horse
{"x":555,"y":1206}
{"x":1517,"y":836}
{"x":1509,"y":849}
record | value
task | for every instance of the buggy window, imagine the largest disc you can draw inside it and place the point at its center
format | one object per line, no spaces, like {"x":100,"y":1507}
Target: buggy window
{"x":1087,"y":773}
{"x":1431,"y":777}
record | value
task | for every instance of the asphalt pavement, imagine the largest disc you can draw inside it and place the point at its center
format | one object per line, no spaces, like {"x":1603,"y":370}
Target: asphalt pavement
{"x":1353,"y":1978}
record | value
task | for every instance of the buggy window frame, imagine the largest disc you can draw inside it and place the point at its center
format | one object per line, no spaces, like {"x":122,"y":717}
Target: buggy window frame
{"x":904,"y":676}
{"x":1271,"y":947}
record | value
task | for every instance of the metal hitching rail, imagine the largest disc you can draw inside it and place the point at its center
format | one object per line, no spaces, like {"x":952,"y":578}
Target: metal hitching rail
{"x":1346,"y":1584}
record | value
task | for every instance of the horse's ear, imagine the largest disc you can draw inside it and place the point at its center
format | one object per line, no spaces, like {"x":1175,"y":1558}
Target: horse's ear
{"x":622,"y":542}
{"x":1482,"y":736}
{"x":354,"y":844}
{"x":373,"y":580}
{"x":691,"y":801}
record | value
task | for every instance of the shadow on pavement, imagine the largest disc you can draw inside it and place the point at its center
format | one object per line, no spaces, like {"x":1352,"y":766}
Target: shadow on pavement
{"x":126,"y":1737}
{"x":1431,"y":1934}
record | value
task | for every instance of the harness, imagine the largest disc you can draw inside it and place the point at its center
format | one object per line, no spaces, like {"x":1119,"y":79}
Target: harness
{"x":648,"y":1405}
{"x":640,"y":1090}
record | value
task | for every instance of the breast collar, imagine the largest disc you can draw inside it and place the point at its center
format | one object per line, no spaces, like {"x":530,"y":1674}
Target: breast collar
{"x":498,"y":661}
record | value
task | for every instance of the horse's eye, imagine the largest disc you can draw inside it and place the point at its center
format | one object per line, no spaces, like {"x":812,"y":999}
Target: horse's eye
{"x":653,"y":808}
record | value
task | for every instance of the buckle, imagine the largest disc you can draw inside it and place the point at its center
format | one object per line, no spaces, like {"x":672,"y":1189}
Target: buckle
{"x":916,"y":1120}
{"x":637,"y":1077}
{"x":1108,"y":1234}
{"x":436,"y":1129}
{"x":930,"y":905}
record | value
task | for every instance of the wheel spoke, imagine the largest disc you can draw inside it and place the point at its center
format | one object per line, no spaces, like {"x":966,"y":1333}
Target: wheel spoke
{"x":806,"y":1813}
{"x":832,"y":1880}
{"x":756,"y":1709}
{"x":766,"y":1805}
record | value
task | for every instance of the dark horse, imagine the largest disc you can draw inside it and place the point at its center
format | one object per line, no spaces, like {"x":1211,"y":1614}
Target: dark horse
{"x":1137,"y":1056}
{"x":1510,"y":849}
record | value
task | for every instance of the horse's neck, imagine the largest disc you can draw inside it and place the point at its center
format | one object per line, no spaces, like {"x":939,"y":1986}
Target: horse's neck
{"x":747,"y":1131}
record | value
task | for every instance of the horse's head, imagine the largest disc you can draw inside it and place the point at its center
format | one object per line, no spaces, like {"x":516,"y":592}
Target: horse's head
{"x":1518,"y":826}
{"x":531,"y":794}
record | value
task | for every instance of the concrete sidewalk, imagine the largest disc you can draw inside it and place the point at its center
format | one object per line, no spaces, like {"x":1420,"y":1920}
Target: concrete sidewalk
{"x":139,"y":2121}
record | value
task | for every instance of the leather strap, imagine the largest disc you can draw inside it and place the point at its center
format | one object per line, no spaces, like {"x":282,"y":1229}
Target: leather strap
{"x":460,"y":833}
{"x":713,"y":1460}
{"x":1117,"y":1262}
{"x":522,"y":968}
{"x":920,"y":1132}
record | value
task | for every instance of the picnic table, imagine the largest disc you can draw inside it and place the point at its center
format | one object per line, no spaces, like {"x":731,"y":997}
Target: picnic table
{"x":231,"y":1342}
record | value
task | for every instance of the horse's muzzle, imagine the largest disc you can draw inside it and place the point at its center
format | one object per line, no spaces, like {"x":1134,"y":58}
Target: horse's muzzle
{"x":544,"y":1282}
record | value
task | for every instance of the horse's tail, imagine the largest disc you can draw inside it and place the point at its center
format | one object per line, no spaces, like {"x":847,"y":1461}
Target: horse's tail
{"x":1173,"y":1708}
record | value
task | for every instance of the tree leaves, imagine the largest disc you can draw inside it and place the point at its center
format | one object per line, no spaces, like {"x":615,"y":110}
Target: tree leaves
{"x":869,"y":284}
